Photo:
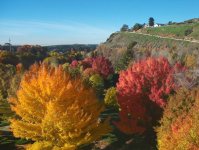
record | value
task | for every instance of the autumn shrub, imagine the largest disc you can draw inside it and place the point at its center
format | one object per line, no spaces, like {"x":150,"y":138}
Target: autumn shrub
{"x":29,"y":54}
{"x":88,"y":72}
{"x":179,"y":125}
{"x":74,"y":64}
{"x":15,"y":81}
{"x":190,"y":60}
{"x":110,"y":98}
{"x":34,"y":49}
{"x":66,"y":66}
{"x":142,"y":92}
{"x":97,"y":82}
{"x":27,"y":59}
{"x":37,"y":51}
{"x":55,"y":110}
{"x":19,"y":68}
{"x":53,"y":61}
{"x":7,"y":57}
{"x":7,"y":71}
{"x":87,"y":62}
{"x":102,"y":66}
{"x":75,"y":70}
{"x":74,"y":55}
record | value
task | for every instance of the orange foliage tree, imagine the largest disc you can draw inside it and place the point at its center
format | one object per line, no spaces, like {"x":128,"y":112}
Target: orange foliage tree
{"x":55,"y":110}
{"x":179,"y":125}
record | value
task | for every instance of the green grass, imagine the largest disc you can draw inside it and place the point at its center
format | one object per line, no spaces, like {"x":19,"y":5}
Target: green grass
{"x":127,"y":38}
{"x":5,"y":111}
{"x":177,"y":31}
{"x":195,"y":33}
{"x":4,"y":123}
{"x":22,"y":141}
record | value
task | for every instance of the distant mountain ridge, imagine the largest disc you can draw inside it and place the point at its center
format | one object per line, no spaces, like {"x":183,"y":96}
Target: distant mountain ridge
{"x":61,"y":48}
{"x":89,"y":47}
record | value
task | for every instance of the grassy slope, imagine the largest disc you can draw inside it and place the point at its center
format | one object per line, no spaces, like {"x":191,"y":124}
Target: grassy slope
{"x":125,"y":38}
{"x":195,"y":33}
{"x":177,"y":31}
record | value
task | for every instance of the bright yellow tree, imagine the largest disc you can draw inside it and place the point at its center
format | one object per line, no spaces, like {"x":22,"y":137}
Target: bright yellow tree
{"x":54,"y":109}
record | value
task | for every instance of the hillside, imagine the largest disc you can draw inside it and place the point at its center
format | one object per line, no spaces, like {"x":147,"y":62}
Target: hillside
{"x":146,"y":45}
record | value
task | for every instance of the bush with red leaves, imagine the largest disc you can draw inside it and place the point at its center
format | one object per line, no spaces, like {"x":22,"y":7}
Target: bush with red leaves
{"x":74,"y":64}
{"x":142,"y":92}
{"x":87,"y":62}
{"x":102,"y":66}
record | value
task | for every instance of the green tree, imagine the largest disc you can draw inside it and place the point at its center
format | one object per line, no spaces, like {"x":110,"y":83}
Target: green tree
{"x":27,"y":59}
{"x":125,"y":27}
{"x":151,"y":21}
{"x":97,"y":82}
{"x":110,"y":98}
{"x":28,"y":54}
{"x":7,"y":71}
{"x":126,"y":58}
{"x":6,"y":74}
{"x":170,"y":23}
{"x":7,"y":57}
{"x":137,"y":26}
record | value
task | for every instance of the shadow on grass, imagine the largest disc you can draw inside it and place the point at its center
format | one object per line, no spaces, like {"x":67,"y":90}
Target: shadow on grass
{"x":119,"y":141}
{"x":9,"y":142}
{"x":8,"y":146}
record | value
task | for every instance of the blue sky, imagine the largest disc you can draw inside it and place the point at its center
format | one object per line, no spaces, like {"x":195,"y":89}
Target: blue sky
{"x":48,"y":22}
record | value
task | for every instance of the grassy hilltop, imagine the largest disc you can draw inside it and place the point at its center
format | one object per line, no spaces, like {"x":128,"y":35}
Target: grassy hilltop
{"x":181,"y":30}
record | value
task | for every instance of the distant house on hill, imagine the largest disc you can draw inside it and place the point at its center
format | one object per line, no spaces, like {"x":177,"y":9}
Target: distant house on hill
{"x":155,"y":25}
{"x":158,"y":25}
{"x":146,"y":26}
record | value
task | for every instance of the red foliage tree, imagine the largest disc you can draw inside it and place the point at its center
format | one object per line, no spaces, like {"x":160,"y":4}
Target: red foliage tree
{"x":74,"y":64}
{"x":142,"y":91}
{"x":102,"y":66}
{"x":87,"y":62}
